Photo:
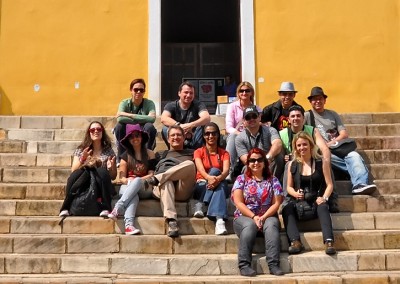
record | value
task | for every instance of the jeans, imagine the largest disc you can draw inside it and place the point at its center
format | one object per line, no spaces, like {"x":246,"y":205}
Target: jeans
{"x":129,"y":199}
{"x":290,"y":221}
{"x":246,"y":230}
{"x":120,"y":132}
{"x":354,"y":164}
{"x":215,"y":199}
{"x":194,"y":143}
{"x":231,"y":148}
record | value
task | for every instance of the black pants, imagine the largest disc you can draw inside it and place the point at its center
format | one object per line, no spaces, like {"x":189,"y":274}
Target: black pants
{"x":290,"y":221}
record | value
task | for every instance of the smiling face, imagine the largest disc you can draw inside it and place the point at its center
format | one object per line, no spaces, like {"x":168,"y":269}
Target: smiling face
{"x":303,"y":147}
{"x":252,"y":121}
{"x":135,"y":138}
{"x":211,"y":135}
{"x":256,"y":163}
{"x":138,"y":91}
{"x":186,"y":95}
{"x":175,"y":138}
{"x":96,"y":131}
{"x":318,"y":103}
{"x":287,"y":98}
{"x":296,"y":120}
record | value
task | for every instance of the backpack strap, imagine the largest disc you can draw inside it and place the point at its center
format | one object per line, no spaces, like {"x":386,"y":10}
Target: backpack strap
{"x":312,"y":117}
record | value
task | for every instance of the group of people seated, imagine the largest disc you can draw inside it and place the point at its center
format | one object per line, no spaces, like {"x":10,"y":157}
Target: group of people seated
{"x":282,"y":153}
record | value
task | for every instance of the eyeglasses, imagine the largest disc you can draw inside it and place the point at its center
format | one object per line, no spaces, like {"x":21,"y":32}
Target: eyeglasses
{"x":251,"y":116}
{"x":211,"y":133}
{"x":244,"y":90}
{"x":136,"y":135}
{"x":137,"y":90}
{"x":259,"y":160}
{"x":94,"y":129}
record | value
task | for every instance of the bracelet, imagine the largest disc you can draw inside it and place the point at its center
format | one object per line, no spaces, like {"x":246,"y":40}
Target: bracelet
{"x":253,"y":216}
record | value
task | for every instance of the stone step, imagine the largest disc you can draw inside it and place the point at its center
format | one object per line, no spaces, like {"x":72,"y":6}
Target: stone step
{"x":188,"y":226}
{"x":12,"y":146}
{"x":384,"y":187}
{"x":348,"y":277}
{"x":362,"y":130}
{"x":187,"y":244}
{"x":196,"y":265}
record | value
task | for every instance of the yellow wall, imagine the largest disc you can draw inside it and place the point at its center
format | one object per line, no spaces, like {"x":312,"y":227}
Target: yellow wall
{"x":102,"y":44}
{"x":351,"y":48}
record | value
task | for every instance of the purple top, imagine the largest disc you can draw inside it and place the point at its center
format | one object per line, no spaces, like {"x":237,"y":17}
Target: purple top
{"x":234,"y":115}
{"x":257,"y":195}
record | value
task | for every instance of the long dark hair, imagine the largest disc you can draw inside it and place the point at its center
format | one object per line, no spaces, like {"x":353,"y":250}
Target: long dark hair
{"x":144,"y":157}
{"x":87,"y":141}
{"x":266,"y":172}
{"x":212,"y":124}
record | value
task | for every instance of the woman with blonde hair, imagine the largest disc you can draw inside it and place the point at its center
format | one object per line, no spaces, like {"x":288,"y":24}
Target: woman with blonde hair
{"x":234,"y":120}
{"x":310,"y":185}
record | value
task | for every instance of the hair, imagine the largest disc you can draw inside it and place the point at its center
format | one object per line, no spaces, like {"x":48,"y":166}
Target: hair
{"x":87,"y":141}
{"x":313,"y":148}
{"x":175,"y":127}
{"x":298,"y":108}
{"x":247,"y":84}
{"x":186,"y":83}
{"x":266,"y":171}
{"x":135,"y":81}
{"x":212,"y":124}
{"x":131,"y":155}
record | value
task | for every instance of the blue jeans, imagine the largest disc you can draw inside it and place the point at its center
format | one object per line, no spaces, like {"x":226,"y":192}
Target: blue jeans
{"x":231,"y":148}
{"x":194,"y":143}
{"x":215,"y":199}
{"x":354,"y":164}
{"x":246,"y":230}
{"x":129,"y":199}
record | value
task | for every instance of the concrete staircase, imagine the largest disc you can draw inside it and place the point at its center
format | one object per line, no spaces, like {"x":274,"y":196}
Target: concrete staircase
{"x":35,"y":160}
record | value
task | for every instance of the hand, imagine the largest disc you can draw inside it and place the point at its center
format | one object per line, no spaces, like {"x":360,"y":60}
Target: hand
{"x":212,"y":182}
{"x":110,"y":162}
{"x":86,"y":153}
{"x":299,"y":195}
{"x":320,"y":200}
{"x":187,"y":127}
{"x":259,"y":222}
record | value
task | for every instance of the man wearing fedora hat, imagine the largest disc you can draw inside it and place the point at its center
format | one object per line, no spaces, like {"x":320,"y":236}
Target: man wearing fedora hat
{"x":330,"y":125}
{"x":277,"y":113}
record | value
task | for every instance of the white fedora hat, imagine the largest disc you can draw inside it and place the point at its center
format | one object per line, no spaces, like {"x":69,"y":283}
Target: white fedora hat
{"x":287,"y":87}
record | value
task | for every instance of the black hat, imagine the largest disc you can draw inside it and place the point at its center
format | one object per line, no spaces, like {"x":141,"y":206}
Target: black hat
{"x":250,"y":109}
{"x":317,"y":91}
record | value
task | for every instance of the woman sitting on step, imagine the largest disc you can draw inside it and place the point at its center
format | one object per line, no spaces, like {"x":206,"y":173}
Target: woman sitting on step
{"x":212,"y":163}
{"x":93,"y":168}
{"x":137,"y":164}
{"x":306,"y":181}
{"x":257,"y":195}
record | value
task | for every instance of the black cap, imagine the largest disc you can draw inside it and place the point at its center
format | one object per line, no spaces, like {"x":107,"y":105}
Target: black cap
{"x":317,"y":91}
{"x":250,"y":109}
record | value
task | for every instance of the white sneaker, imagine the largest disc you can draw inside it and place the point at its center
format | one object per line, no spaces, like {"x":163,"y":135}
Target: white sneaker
{"x":220,"y":227}
{"x":104,"y":213}
{"x":198,"y":210}
{"x":64,"y":213}
{"x":364,"y":189}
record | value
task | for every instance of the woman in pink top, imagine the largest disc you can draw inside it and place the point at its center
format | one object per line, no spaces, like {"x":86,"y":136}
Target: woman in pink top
{"x":234,"y":119}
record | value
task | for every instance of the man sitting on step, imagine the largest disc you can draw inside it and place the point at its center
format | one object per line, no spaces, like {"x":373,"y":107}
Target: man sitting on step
{"x":174,"y":178}
{"x":332,"y":129}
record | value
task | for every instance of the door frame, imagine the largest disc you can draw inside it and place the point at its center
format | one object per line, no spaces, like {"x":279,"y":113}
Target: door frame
{"x":154,"y":48}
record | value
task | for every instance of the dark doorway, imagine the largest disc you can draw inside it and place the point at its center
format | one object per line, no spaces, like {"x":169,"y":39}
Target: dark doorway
{"x":200,"y":39}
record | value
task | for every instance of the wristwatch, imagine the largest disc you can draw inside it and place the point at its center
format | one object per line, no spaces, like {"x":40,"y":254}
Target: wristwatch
{"x":268,"y":157}
{"x":325,"y":198}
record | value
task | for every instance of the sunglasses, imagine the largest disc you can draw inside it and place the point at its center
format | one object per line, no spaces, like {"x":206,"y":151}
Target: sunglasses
{"x":245,"y":90}
{"x":136,"y":135}
{"x":259,"y":160}
{"x":251,"y":116}
{"x":94,"y":129}
{"x":137,"y":90}
{"x":211,"y":133}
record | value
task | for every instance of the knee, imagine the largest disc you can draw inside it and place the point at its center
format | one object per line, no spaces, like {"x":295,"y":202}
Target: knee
{"x":149,"y":127}
{"x":214,"y":172}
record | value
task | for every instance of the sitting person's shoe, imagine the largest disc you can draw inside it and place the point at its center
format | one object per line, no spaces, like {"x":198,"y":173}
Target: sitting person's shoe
{"x":364,"y":189}
{"x":329,"y":248}
{"x":64,"y":213}
{"x":173,"y":228}
{"x":275,"y":270}
{"x":198,"y":210}
{"x":114,"y":214}
{"x":153,"y":181}
{"x":247,"y":271}
{"x":295,"y":247}
{"x":104,"y":213}
{"x":131,"y":230}
{"x":220,"y":227}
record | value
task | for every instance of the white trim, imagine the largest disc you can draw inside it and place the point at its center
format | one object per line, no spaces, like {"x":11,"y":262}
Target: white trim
{"x":247,"y":41}
{"x":154,"y":54}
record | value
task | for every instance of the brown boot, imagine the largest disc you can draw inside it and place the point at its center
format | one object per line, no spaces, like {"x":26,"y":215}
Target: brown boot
{"x":329,"y":248}
{"x":295,"y":247}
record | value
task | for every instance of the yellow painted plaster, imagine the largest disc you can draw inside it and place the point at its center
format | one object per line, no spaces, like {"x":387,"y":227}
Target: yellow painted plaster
{"x":350,"y":48}
{"x":102,"y":44}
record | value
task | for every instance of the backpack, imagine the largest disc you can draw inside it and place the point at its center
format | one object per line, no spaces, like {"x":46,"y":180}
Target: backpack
{"x":84,"y":201}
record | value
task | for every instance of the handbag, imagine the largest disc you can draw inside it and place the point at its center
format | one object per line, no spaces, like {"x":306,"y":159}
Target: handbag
{"x":343,"y":147}
{"x":305,"y":211}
